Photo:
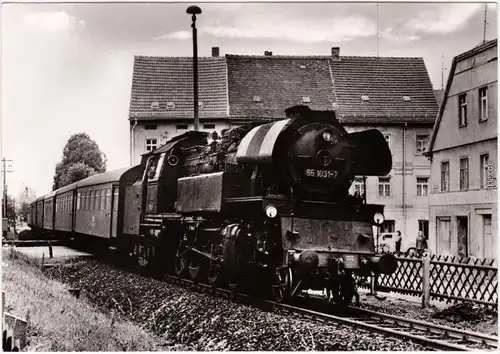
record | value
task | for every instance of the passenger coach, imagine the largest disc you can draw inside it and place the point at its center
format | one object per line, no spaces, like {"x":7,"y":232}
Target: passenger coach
{"x":89,"y":207}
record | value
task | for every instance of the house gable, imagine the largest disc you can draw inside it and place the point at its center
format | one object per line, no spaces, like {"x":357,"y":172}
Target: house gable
{"x":469,"y":71}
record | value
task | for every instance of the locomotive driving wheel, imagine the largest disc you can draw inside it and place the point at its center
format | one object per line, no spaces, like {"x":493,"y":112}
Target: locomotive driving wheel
{"x":214,"y":274}
{"x":281,"y":284}
{"x":194,"y":269}
{"x":180,"y":265}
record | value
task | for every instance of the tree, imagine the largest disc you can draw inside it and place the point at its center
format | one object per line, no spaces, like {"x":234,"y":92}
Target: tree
{"x":11,"y":209}
{"x":81,"y":158}
{"x":24,"y":210}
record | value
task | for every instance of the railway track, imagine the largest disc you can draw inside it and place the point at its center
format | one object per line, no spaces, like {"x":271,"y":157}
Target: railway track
{"x":428,"y":334}
{"x":313,"y":307}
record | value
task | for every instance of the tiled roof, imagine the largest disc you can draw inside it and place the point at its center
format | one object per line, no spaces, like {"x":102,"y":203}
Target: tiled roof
{"x":385,"y":80}
{"x":263,"y":86}
{"x":170,"y":79}
{"x":279,"y":81}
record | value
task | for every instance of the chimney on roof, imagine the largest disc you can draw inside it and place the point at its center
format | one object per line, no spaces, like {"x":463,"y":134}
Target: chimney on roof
{"x":268,"y":54}
{"x":215,"y":51}
{"x":335,"y":53}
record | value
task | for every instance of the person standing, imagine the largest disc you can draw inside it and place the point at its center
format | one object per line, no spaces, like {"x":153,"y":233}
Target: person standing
{"x":421,"y":243}
{"x":398,"y":240}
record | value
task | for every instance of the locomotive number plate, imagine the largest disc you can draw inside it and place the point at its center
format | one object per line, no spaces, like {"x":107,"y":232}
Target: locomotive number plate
{"x":326,"y":174}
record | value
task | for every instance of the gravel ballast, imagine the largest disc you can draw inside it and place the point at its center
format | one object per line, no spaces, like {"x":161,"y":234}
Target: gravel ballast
{"x":198,"y":321}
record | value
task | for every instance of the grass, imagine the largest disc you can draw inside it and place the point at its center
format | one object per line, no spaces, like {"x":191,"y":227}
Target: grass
{"x":57,"y":321}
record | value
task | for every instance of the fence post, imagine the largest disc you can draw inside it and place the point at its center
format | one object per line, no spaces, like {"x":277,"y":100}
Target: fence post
{"x":426,"y":288}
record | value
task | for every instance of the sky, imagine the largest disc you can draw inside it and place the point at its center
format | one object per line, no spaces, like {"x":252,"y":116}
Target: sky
{"x":67,"y":67}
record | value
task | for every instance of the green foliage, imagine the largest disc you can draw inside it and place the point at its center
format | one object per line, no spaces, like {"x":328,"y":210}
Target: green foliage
{"x":81,"y":158}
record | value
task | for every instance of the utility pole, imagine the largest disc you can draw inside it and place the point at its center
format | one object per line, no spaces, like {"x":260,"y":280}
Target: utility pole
{"x":377,"y":30}
{"x":4,"y":170}
{"x":485,"y":22}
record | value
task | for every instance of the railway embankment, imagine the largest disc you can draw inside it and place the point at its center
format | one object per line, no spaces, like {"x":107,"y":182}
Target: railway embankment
{"x":57,"y":321}
{"x":203,"y":322}
{"x":170,"y":317}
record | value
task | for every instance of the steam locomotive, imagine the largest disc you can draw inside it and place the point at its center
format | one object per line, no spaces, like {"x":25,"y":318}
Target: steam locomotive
{"x":262,"y":207}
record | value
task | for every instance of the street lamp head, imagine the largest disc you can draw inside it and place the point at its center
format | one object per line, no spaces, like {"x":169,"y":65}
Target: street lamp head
{"x":193,"y":10}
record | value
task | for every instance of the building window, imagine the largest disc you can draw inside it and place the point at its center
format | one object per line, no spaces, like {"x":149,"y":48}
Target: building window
{"x":384,"y":187}
{"x":182,"y":126}
{"x":464,"y":174}
{"x":462,"y":110}
{"x":151,"y":144}
{"x":387,"y":138}
{"x":422,"y":141}
{"x":208,"y":126}
{"x":423,"y":225}
{"x":387,"y":226}
{"x":483,"y":104}
{"x":422,"y":186}
{"x":445,"y":176}
{"x":359,"y":187}
{"x":484,"y":159}
{"x":151,"y":127}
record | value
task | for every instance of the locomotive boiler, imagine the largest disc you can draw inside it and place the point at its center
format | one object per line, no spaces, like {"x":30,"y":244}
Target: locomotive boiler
{"x":266,"y":208}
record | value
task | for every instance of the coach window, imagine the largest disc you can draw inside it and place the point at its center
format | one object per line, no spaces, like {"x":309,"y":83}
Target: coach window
{"x":103,"y":199}
{"x":108,"y":199}
{"x":78,"y":201}
{"x":97,"y":199}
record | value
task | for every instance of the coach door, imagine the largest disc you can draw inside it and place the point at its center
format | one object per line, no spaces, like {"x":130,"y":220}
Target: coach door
{"x":114,"y":211}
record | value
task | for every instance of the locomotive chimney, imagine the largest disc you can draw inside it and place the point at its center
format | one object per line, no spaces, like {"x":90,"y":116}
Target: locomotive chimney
{"x":215,"y":51}
{"x":335,"y":53}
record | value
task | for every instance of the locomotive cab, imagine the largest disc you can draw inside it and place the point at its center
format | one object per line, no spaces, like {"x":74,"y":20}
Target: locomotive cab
{"x":164,"y":167}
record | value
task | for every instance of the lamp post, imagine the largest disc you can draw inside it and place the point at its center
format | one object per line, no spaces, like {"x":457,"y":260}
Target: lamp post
{"x":195,"y":10}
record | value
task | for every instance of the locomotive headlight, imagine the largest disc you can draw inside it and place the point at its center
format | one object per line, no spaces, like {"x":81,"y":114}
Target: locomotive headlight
{"x":327,"y":136}
{"x":271,"y":211}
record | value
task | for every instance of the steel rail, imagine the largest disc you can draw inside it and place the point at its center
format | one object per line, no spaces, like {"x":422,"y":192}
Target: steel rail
{"x":427,"y":334}
{"x":445,"y":333}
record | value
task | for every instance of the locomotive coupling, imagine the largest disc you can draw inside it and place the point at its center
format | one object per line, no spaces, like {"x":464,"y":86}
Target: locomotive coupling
{"x":384,"y":264}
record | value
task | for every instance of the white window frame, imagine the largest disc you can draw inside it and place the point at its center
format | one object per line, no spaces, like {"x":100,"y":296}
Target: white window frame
{"x":422,"y":187}
{"x":463,"y":177}
{"x":445,"y":183}
{"x":483,"y":104}
{"x":462,"y":110}
{"x":386,"y":187}
{"x":483,"y":173}
{"x":151,"y":146}
{"x":359,"y":185}
{"x":421,"y":143}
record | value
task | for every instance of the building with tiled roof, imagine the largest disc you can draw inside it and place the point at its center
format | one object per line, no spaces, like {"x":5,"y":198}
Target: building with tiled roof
{"x":392,"y":94}
{"x":463,"y":150}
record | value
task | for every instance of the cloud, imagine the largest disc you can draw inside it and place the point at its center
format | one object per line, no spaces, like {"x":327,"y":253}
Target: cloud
{"x":391,"y":35}
{"x":337,"y":29}
{"x":443,"y":20}
{"x":175,"y":35}
{"x":52,"y":21}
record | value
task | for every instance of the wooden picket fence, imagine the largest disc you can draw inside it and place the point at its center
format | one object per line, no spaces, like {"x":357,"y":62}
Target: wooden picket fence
{"x":442,"y":278}
{"x":14,"y":337}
